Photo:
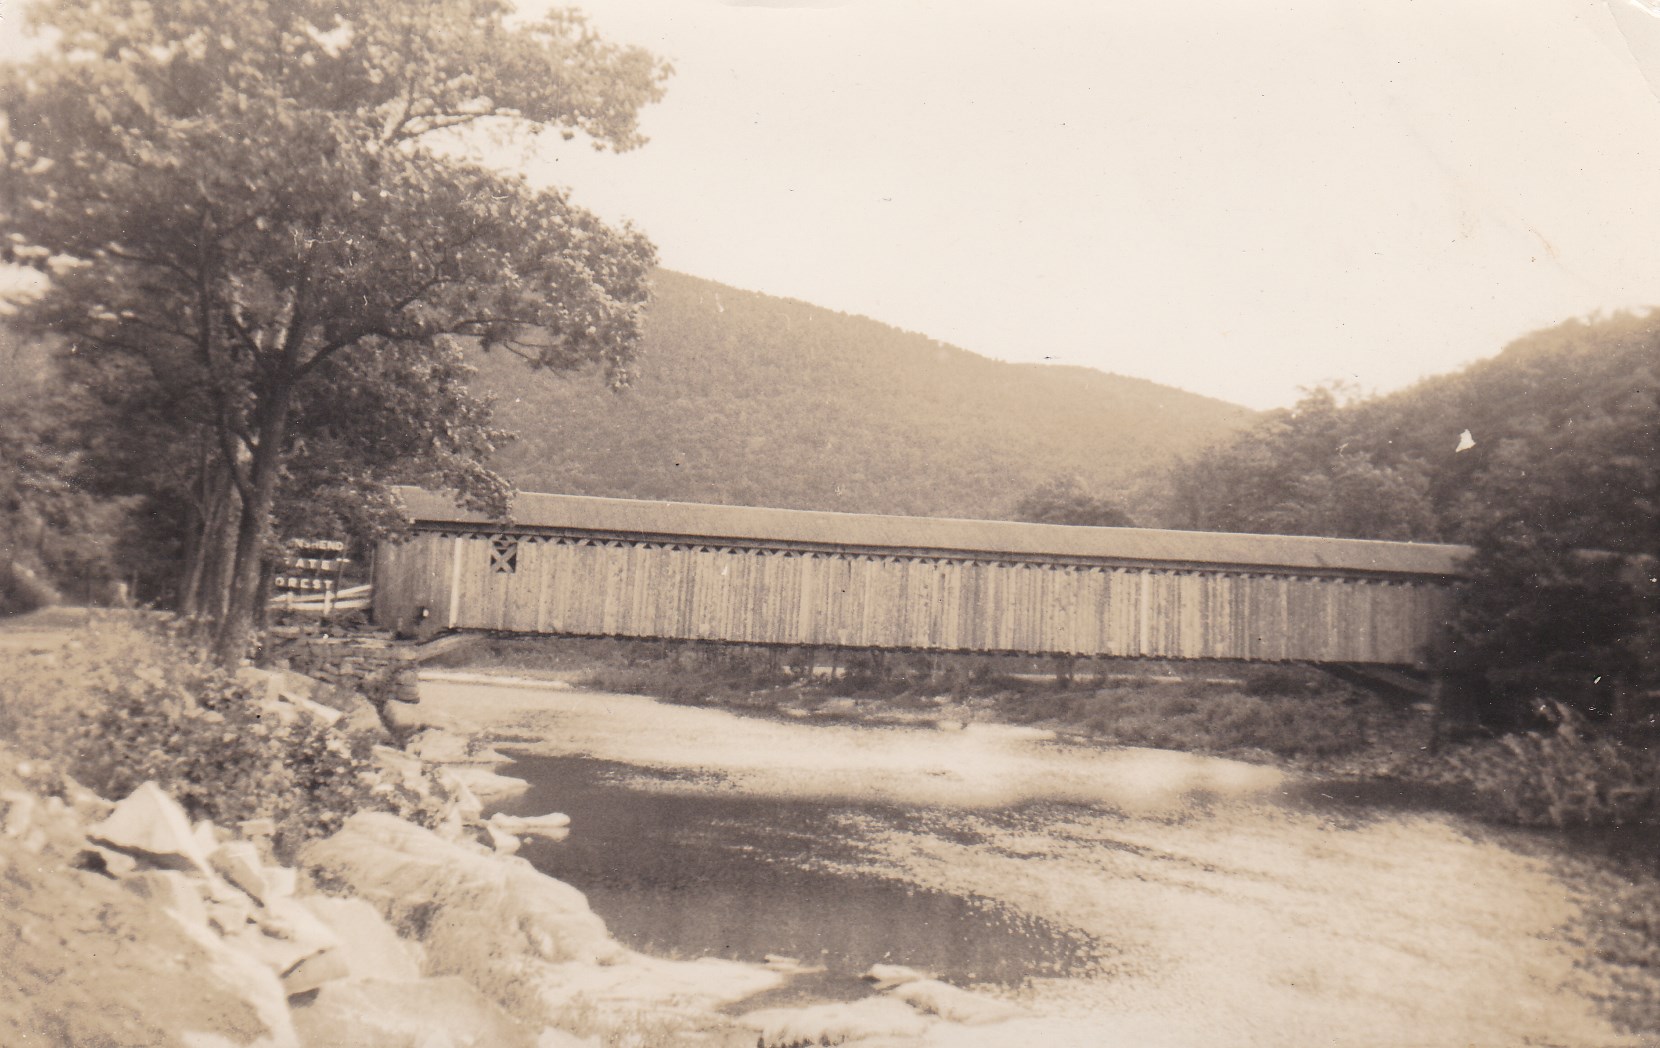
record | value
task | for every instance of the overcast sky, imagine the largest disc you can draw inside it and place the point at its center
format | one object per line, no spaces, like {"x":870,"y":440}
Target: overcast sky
{"x":1237,"y":198}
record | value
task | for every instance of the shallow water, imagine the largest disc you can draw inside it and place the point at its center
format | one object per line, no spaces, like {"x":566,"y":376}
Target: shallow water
{"x":690,"y":874}
{"x":1142,"y":897}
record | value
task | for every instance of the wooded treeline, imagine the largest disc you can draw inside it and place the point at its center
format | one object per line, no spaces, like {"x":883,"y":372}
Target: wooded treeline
{"x":1540,"y":457}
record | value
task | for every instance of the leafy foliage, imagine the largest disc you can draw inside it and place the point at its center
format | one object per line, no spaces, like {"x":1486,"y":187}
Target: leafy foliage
{"x":1565,"y":459}
{"x":123,"y":703}
{"x":250,"y":216}
{"x":53,"y":534}
{"x":1542,"y":618}
{"x":1064,"y":500}
{"x":1304,"y":471}
{"x":1565,"y":775}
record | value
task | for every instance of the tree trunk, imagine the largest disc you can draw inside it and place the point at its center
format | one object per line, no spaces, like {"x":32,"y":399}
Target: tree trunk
{"x":262,"y":599}
{"x":190,"y":578}
{"x":197,"y":514}
{"x":220,"y":569}
{"x":236,"y":626}
{"x":209,"y":559}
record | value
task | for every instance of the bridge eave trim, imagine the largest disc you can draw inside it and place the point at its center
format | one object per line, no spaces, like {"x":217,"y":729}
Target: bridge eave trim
{"x":975,"y":540}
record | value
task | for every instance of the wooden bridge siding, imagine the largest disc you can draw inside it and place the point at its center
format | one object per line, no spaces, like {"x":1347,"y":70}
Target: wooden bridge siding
{"x":409,"y":576}
{"x":627,"y":588}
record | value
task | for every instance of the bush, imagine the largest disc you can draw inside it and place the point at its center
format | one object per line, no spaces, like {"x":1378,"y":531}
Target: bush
{"x":1568,"y":775}
{"x":1537,"y":618}
{"x":23,"y":590}
{"x":719,"y":682}
{"x":1216,"y":718}
{"x":124,"y":702}
{"x":1270,"y":681}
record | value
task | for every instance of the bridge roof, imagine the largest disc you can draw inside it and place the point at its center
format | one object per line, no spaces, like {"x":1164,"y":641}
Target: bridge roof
{"x":714,"y":524}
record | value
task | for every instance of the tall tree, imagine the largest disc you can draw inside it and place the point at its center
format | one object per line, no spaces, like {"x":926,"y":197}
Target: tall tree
{"x":256,"y":210}
{"x":1310,"y":470}
{"x":1558,"y":492}
{"x":1563,"y":600}
{"x":1065,"y":500}
{"x":53,"y":534}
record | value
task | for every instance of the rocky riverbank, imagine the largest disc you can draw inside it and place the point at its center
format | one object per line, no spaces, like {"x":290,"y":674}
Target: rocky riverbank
{"x":127,"y":923}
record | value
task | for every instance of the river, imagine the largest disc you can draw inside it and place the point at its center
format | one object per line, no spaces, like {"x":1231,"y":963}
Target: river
{"x":1135,"y":897}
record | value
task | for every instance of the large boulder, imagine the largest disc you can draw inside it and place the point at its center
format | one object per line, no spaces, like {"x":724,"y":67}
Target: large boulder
{"x":391,"y":1014}
{"x":494,"y":920}
{"x":240,"y":863}
{"x":487,"y":785}
{"x":369,"y":946}
{"x":149,"y":825}
{"x":91,"y":960}
{"x":554,"y":826}
{"x":288,"y":939}
{"x":437,"y":746}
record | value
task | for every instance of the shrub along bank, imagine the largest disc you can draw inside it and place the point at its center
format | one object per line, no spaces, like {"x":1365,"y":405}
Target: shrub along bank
{"x":131,"y":700}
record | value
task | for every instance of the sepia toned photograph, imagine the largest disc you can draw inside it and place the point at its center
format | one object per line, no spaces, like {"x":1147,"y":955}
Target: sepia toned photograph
{"x":808,"y":523}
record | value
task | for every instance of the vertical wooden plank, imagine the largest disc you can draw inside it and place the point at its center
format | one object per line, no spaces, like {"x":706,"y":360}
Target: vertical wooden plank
{"x":1099,"y":600}
{"x":845,"y":623}
{"x":997,"y":609}
{"x":1050,"y":581}
{"x":808,"y":599}
{"x":965,"y":618}
{"x":631,"y":611}
{"x":521,"y":606}
{"x":453,"y":616}
{"x":1190,"y":617}
{"x":539,"y":595}
{"x":685,"y":616}
{"x":567,"y":579}
{"x":587,"y":593}
{"x":475,"y":568}
{"x":705,"y":593}
{"x":752,"y":581}
{"x":737,"y":597}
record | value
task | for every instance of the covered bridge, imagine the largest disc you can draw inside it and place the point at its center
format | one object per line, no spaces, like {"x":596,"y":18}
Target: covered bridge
{"x":582,"y":566}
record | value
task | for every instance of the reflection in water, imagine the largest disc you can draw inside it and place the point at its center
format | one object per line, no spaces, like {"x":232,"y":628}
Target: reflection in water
{"x":696,"y":874}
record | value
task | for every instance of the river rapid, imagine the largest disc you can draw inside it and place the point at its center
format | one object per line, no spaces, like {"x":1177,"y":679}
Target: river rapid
{"x":1123,"y":896}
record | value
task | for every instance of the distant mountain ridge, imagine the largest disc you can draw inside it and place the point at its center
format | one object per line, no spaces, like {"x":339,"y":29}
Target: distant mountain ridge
{"x":744,"y":398}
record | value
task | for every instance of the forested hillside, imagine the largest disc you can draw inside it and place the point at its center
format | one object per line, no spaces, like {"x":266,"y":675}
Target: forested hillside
{"x":1562,"y":431}
{"x":743,"y":398}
